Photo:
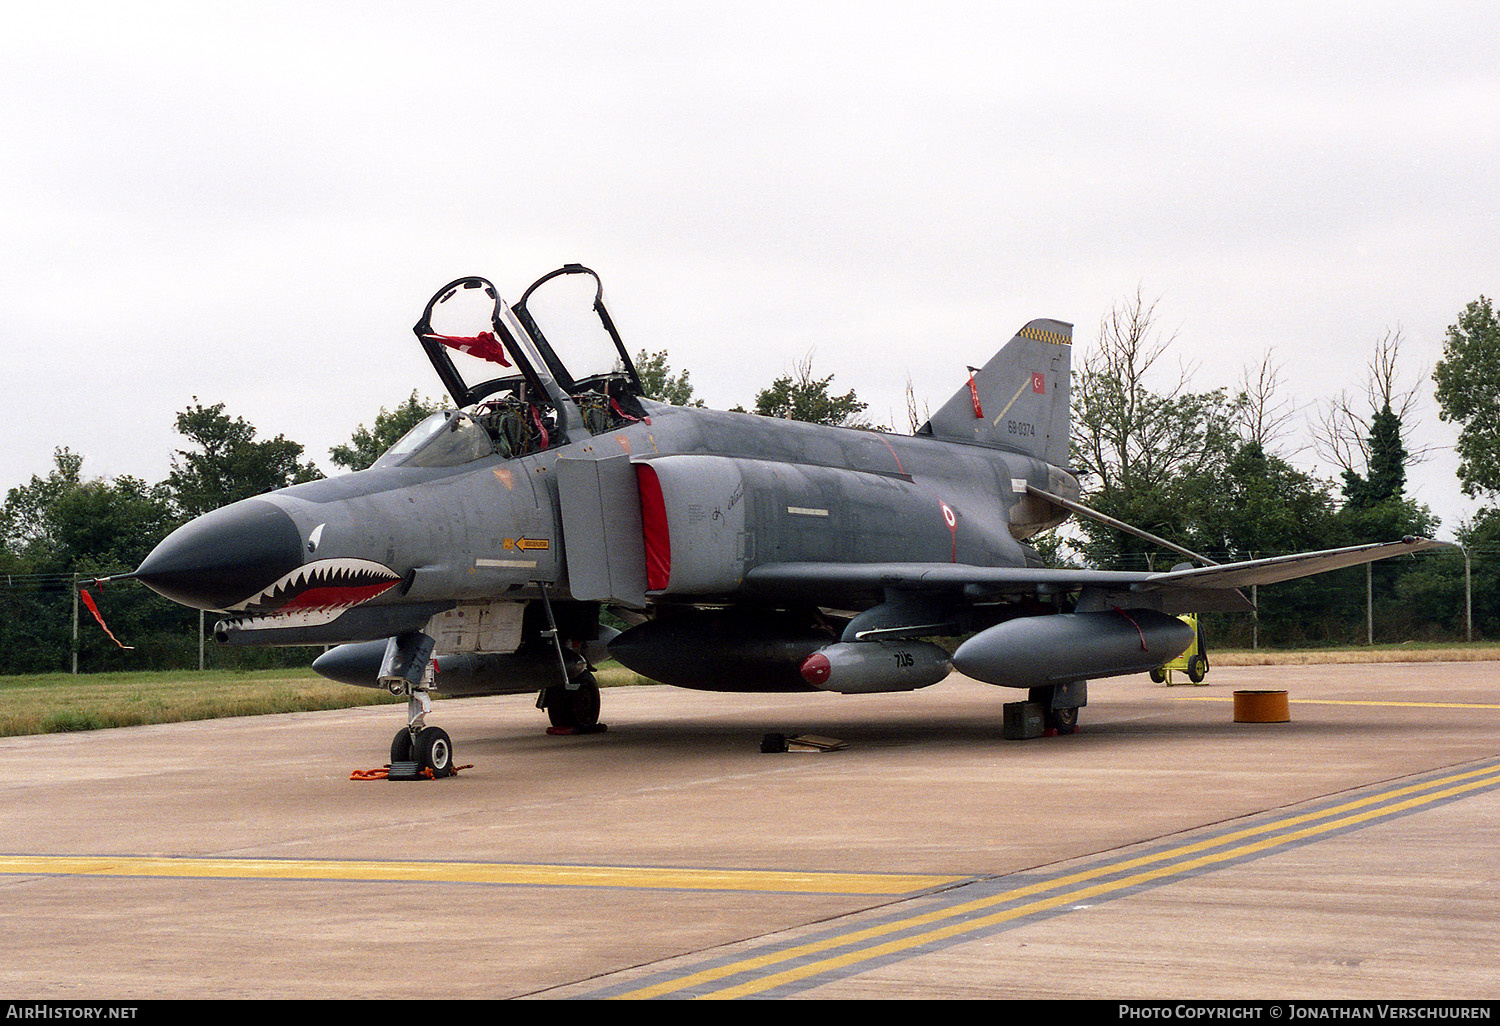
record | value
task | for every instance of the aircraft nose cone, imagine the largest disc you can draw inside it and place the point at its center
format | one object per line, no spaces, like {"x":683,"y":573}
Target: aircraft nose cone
{"x":224,"y":557}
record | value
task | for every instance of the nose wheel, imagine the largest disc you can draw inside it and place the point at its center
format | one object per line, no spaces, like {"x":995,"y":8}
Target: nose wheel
{"x":430,"y":750}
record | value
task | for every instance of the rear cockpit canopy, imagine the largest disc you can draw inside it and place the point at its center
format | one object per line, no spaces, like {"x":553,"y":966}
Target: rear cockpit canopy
{"x":564,"y":313}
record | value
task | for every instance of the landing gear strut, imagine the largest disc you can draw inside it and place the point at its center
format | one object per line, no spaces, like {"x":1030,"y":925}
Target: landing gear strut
{"x":417,"y":749}
{"x":572,"y":706}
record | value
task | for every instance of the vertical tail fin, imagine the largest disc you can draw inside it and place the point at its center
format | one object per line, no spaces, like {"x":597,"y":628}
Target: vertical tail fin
{"x":1019,"y":400}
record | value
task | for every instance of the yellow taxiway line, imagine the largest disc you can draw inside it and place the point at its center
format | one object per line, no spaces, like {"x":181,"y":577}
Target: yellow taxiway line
{"x":520,"y":874}
{"x":1343,"y":701}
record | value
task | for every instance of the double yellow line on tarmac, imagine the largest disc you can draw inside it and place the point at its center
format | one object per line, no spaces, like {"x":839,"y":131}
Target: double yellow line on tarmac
{"x":844,"y":951}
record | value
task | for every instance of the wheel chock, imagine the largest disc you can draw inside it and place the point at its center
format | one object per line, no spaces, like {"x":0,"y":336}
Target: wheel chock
{"x":404,"y":771}
{"x":814,"y":743}
{"x":1023,"y":721}
{"x":801,"y":743}
{"x":597,"y":728}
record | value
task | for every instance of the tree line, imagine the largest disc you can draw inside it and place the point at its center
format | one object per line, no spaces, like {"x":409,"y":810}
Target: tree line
{"x":1210,"y":470}
{"x":1205,"y":468}
{"x":67,"y":527}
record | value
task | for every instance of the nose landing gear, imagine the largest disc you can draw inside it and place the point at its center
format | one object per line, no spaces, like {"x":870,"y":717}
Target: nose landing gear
{"x":417,"y":751}
{"x":427,"y":752}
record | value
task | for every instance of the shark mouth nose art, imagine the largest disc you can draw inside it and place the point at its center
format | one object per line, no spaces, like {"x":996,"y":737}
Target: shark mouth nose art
{"x":325,"y":585}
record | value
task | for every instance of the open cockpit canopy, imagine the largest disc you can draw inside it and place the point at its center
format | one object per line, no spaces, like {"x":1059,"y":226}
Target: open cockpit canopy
{"x":557,"y":346}
{"x":548,"y":370}
{"x":564,"y":313}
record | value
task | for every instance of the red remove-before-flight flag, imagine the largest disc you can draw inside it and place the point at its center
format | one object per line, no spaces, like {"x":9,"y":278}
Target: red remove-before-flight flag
{"x":483,"y":345}
{"x":88,"y":600}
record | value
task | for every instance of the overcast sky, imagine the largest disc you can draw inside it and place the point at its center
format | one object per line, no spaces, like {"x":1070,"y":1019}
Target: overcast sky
{"x":250,"y":203}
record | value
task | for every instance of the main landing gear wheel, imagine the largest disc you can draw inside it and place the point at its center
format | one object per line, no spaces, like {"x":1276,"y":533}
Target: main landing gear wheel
{"x":401,"y":746}
{"x":1064,"y":721}
{"x":577,"y":709}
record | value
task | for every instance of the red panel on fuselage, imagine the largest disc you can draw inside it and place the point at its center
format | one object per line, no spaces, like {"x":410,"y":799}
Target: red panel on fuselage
{"x":654,"y":529}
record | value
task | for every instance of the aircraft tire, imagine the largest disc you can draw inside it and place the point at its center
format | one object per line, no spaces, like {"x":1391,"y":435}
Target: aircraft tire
{"x":1158,"y":676}
{"x":435,"y":751}
{"x":559,"y":709}
{"x":401,"y":746}
{"x":1197,"y":669}
{"x":577,"y":708}
{"x":1064,"y":721}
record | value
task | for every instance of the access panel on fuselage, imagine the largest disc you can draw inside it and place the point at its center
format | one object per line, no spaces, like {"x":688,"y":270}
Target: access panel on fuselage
{"x":602,"y":531}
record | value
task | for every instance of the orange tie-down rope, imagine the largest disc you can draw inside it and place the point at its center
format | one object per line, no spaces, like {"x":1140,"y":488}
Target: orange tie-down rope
{"x":385,"y":771}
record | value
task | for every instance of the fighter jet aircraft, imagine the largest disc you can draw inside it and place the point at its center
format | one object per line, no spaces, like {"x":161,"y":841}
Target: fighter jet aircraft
{"x":747,"y":553}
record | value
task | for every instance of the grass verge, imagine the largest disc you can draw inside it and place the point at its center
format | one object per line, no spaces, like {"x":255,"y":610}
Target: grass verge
{"x":55,"y":702}
{"x":48,"y":703}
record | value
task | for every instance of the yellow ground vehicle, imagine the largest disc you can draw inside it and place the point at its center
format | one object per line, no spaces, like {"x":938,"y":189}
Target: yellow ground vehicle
{"x":1193,"y":662}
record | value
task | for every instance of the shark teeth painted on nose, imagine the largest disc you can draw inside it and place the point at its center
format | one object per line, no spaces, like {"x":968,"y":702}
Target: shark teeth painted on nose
{"x":321,"y":585}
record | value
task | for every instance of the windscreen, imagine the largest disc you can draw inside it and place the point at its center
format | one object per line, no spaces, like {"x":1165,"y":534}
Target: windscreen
{"x":445,"y":439}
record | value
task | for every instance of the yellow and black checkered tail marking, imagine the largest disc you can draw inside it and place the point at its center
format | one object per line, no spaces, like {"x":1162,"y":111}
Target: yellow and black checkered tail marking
{"x":1043,"y":335}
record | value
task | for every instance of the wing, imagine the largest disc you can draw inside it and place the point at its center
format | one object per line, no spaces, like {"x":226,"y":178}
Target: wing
{"x":1285,"y":568}
{"x":1195,"y":589}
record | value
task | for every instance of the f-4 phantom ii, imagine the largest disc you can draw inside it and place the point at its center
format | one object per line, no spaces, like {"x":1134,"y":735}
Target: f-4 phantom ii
{"x":745,"y":553}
